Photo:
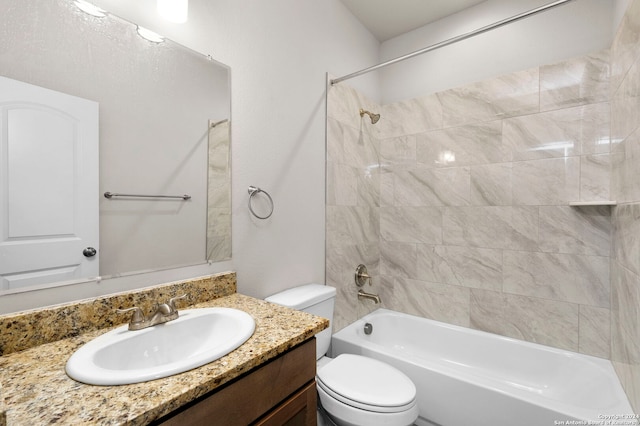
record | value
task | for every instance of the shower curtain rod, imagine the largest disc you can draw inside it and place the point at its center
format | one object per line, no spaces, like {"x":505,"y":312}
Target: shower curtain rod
{"x":453,"y":40}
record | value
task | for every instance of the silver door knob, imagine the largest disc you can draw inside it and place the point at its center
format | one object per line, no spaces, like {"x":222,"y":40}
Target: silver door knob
{"x":89,"y":252}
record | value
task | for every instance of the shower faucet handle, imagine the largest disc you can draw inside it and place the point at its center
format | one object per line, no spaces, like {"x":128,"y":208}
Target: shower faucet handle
{"x":362,"y":276}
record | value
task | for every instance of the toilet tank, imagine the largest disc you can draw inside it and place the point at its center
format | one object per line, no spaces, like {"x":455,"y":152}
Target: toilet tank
{"x":316,"y":299}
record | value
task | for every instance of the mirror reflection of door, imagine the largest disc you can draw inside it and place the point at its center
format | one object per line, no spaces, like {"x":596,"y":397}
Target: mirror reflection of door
{"x":48,"y":186}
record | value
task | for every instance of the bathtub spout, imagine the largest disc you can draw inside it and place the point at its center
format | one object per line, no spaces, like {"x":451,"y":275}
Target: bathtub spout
{"x":363,"y":295}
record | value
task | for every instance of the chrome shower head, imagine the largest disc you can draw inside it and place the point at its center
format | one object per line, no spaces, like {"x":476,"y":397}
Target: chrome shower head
{"x":374,"y":117}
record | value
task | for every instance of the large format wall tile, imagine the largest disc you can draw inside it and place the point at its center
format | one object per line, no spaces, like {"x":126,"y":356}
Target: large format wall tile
{"x":432,"y":187}
{"x":411,"y":224}
{"x":584,"y":230}
{"x":625,"y":188}
{"x":491,"y":185}
{"x":348,"y":225}
{"x":536,"y":320}
{"x":561,"y":133}
{"x":595,"y":177}
{"x":595,"y":331}
{"x":564,"y":277}
{"x":575,"y":82}
{"x":506,"y":96}
{"x":411,"y":117}
{"x":399,"y":151}
{"x":461,"y":146}
{"x":625,"y":338}
{"x":626,"y":236}
{"x":398,"y":259}
{"x":440,"y":302}
{"x":546,"y":182}
{"x":624,"y":50}
{"x":462,"y":266}
{"x":489,"y":227}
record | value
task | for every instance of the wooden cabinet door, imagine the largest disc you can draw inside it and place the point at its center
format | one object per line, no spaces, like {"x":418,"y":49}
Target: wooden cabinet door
{"x":298,"y":410}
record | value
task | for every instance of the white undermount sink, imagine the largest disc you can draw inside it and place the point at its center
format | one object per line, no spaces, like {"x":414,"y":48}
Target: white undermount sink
{"x":197,"y":337}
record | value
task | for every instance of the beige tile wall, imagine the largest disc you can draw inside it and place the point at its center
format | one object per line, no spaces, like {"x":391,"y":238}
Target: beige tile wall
{"x":458,"y":203}
{"x":625,"y":265}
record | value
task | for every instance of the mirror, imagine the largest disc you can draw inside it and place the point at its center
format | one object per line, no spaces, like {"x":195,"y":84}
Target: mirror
{"x":164,"y":129}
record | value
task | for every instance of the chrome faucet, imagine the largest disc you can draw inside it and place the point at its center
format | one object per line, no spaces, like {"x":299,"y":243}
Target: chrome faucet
{"x":363,"y":295}
{"x":162,"y":313}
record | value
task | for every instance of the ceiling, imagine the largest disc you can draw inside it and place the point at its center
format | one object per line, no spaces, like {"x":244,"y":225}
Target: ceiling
{"x":387,"y":19}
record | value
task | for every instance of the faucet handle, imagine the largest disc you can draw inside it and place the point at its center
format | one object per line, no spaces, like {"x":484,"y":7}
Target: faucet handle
{"x":137,"y":317}
{"x":172,"y":302}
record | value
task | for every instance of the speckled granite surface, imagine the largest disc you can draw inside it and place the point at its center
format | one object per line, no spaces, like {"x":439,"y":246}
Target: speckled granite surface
{"x":26,"y":329}
{"x":36,"y":390}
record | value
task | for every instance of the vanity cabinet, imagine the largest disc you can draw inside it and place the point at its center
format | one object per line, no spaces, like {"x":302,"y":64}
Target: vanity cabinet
{"x":279,"y":392}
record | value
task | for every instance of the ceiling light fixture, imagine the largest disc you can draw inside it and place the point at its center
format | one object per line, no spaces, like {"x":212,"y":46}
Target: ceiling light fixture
{"x":150,"y":35}
{"x":90,"y":9}
{"x":173,"y":10}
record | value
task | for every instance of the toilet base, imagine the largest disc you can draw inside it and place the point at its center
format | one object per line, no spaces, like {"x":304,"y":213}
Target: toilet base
{"x":343,"y":415}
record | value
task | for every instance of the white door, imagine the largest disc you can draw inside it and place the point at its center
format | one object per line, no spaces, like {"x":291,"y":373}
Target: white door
{"x":48,"y":186}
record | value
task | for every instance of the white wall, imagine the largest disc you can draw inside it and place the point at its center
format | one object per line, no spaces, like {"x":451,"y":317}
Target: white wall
{"x":279,"y":52}
{"x":567,"y":31}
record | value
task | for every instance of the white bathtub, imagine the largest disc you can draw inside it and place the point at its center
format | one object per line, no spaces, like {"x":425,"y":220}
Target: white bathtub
{"x":468,"y":377}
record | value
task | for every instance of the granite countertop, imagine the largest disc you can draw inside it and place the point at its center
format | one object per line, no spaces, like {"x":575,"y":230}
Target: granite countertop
{"x":35,"y":389}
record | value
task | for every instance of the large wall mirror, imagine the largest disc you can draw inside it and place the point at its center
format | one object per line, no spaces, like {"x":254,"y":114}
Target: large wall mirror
{"x":149,"y":120}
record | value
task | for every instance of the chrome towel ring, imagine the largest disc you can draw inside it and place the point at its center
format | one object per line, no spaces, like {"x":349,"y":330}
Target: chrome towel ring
{"x":253,"y":190}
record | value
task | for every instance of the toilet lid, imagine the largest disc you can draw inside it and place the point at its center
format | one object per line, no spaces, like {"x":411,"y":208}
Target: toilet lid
{"x":367,"y":383}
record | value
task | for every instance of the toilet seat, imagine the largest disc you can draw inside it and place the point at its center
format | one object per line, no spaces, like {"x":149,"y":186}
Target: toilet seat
{"x":367,"y":384}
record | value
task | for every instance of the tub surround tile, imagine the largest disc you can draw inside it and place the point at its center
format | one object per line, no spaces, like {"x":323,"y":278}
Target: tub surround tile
{"x":398,"y":259}
{"x":584,"y":230}
{"x":562,"y":277}
{"x":547,"y":322}
{"x":505,"y":96}
{"x":546,"y":182}
{"x":341,"y":264}
{"x":461,"y":266}
{"x":472,"y":144}
{"x":411,"y":224}
{"x":440,"y":302}
{"x":399,"y":150}
{"x":595,"y":331}
{"x":576,"y":81}
{"x":625,"y":180}
{"x":625,"y":334}
{"x":624,"y":111}
{"x":625,"y":308}
{"x":626,"y":236}
{"x":37,"y":391}
{"x":525,"y":228}
{"x":361,"y":147}
{"x":560,"y":133}
{"x":411,"y":116}
{"x":27,"y":329}
{"x":624,"y":50}
{"x":546,"y":135}
{"x":477,"y":226}
{"x":491,"y":185}
{"x":595,"y":172}
{"x":625,"y":187}
{"x":432,"y":187}
{"x":352,"y":225}
{"x":343,"y":187}
{"x":344,"y":103}
{"x":474,"y":190}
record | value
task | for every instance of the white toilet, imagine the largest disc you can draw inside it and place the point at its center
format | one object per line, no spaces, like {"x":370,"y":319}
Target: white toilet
{"x":354,"y":390}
